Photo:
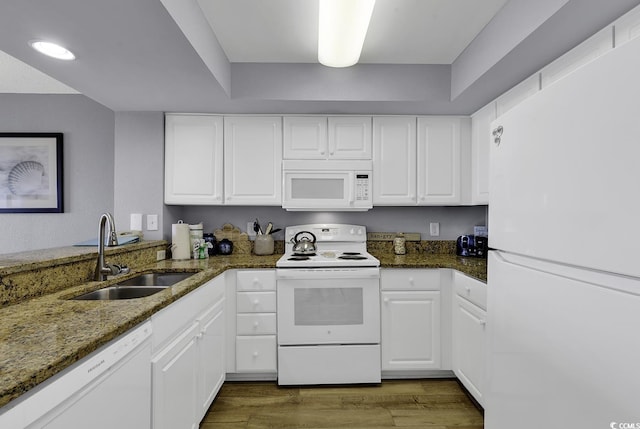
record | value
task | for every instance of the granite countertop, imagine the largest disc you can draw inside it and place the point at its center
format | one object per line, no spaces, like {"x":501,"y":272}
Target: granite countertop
{"x":44,"y":335}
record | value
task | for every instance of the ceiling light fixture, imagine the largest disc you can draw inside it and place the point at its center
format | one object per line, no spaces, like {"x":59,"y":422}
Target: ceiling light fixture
{"x":343,"y":26}
{"x":52,"y":50}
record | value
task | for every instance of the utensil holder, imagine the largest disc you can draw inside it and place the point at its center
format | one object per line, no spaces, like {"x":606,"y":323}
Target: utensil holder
{"x":263,"y":245}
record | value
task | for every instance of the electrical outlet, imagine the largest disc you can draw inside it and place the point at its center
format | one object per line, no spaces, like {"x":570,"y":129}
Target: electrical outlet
{"x":161,"y":255}
{"x":434,"y":229}
{"x":250,"y":232}
{"x":152,"y":222}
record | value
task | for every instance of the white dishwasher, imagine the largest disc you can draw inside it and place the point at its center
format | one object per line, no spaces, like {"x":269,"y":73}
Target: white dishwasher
{"x":110,"y":388}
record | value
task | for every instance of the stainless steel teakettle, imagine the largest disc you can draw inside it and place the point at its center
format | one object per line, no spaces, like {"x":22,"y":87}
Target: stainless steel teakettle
{"x":304,"y":243}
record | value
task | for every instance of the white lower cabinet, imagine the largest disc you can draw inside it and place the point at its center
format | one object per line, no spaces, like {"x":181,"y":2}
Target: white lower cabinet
{"x":255,"y":334}
{"x":187,"y":366}
{"x":411,"y":320}
{"x":469,"y":337}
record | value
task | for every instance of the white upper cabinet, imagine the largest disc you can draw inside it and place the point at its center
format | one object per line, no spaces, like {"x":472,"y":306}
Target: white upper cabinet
{"x":517,"y":94}
{"x":305,"y":137}
{"x":321,"y":137}
{"x":440,"y":143}
{"x":253,"y":160}
{"x":627,"y":27}
{"x":193,"y":159}
{"x":587,"y":51}
{"x":480,"y":144}
{"x":350,"y":137}
{"x":394,"y":160}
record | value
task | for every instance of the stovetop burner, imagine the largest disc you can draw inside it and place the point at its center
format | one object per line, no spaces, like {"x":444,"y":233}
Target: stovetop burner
{"x":351,"y":253}
{"x":356,"y":257}
{"x":299,"y":258}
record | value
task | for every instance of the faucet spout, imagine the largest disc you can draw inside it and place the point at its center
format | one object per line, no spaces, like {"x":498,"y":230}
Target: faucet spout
{"x":106,"y":222}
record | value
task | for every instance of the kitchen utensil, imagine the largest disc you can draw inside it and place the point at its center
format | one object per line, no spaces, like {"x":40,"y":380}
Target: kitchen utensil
{"x":257,"y":228}
{"x":273,"y":231}
{"x":269,"y":228}
{"x":304,"y":243}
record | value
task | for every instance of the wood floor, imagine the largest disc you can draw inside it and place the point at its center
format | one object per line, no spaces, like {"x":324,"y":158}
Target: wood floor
{"x":432,"y":404}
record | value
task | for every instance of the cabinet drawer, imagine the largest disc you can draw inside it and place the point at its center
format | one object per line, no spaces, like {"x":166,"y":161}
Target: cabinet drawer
{"x":256,"y":280}
{"x":256,"y":302}
{"x":471,"y":289}
{"x":256,"y":323}
{"x":256,"y":354}
{"x":409,"y":279}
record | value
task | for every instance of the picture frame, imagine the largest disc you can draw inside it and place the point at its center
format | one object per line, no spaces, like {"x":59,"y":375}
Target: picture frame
{"x":31,"y":172}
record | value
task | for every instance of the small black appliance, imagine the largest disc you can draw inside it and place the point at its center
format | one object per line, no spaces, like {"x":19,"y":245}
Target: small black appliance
{"x":471,"y":245}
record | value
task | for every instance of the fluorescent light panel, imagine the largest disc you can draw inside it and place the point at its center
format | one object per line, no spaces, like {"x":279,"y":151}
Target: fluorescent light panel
{"x":52,"y":50}
{"x":342,"y":28}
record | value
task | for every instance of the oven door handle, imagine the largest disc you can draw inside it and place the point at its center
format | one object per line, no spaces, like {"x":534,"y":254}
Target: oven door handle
{"x":331,"y":273}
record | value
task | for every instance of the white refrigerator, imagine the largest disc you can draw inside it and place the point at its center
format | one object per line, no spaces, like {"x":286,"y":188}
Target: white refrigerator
{"x":563,"y":326}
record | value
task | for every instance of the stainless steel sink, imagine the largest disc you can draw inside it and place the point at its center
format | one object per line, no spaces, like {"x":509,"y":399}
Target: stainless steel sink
{"x":121,"y":292}
{"x":155,"y":279}
{"x":136,"y":287}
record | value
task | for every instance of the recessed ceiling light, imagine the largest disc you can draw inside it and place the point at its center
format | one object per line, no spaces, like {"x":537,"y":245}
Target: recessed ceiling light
{"x":343,"y":26}
{"x":52,"y":50}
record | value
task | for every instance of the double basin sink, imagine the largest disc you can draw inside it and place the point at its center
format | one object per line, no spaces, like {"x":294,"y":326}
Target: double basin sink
{"x":136,"y":287}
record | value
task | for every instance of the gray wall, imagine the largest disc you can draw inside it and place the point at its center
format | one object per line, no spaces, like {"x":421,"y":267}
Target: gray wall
{"x":139,"y":169}
{"x":88,"y":129}
{"x":454,"y":221}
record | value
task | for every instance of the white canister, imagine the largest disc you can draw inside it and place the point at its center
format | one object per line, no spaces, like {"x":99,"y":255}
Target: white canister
{"x":180,"y":243}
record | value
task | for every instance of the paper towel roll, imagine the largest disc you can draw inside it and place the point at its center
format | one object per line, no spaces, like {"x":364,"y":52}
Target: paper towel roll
{"x":180,"y":245}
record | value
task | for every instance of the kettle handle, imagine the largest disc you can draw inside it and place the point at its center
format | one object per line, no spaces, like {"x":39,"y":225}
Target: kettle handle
{"x":295,"y":238}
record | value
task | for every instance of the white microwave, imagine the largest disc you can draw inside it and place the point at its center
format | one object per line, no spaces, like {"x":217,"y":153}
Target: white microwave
{"x":327,"y":185}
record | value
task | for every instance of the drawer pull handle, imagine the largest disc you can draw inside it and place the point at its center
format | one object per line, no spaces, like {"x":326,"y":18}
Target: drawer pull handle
{"x":410,"y":280}
{"x":255,"y":354}
{"x":386,"y":300}
{"x":483,"y":322}
{"x":255,"y":324}
{"x":468,"y":289}
{"x":256,"y":301}
{"x":255,"y":281}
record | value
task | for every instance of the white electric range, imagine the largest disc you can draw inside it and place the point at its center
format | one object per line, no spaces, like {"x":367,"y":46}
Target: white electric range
{"x":328,"y":308}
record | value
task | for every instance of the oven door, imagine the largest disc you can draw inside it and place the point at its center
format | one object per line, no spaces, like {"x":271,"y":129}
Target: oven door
{"x":328,"y":306}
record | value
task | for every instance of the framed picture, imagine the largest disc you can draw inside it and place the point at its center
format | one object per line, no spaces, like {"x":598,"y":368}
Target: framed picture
{"x":31,"y":173}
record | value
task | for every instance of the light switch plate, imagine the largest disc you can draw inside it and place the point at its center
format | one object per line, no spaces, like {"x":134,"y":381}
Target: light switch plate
{"x":136,"y":222}
{"x":152,"y":222}
{"x":434,"y":229}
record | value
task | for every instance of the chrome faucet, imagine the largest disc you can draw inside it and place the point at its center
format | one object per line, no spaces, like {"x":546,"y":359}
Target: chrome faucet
{"x":102,"y":269}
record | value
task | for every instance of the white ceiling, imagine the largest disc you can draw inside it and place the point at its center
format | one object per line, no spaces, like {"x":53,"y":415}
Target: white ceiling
{"x":400,"y":31}
{"x":285,"y":31}
{"x":259,"y":56}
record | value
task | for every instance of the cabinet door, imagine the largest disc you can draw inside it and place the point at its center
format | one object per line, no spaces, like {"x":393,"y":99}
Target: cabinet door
{"x":174,"y":383}
{"x":252,"y":160}
{"x":410,"y":330}
{"x":349,"y":137}
{"x":587,"y":51}
{"x":517,"y":94}
{"x":469,"y":339}
{"x":480,"y":145}
{"x":211,"y":357}
{"x":256,"y":353}
{"x":439,"y":159}
{"x":394,"y":160}
{"x":193,"y":159}
{"x":627,"y":27}
{"x":305,"y":137}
